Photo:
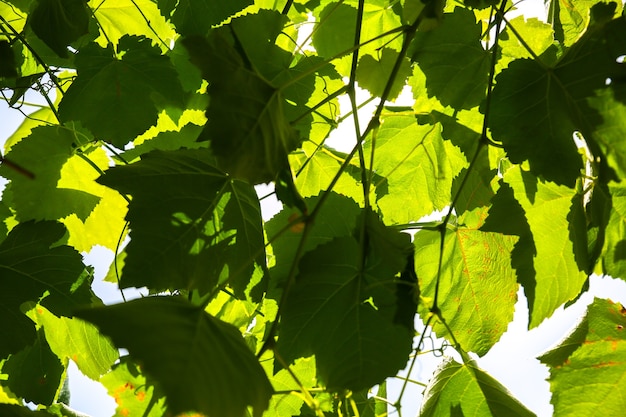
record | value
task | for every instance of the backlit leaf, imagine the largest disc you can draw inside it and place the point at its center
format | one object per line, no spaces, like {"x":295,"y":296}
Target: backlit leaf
{"x":117,"y":99}
{"x":477,"y":285}
{"x":32,"y":265}
{"x":416,"y":180}
{"x":196,"y":17}
{"x":556,"y":220}
{"x":614,"y":250}
{"x":465,"y":390}
{"x":59,"y":22}
{"x":246,"y":125}
{"x":44,"y":153}
{"x":201,"y":363}
{"x":537,"y":109}
{"x":373,"y":73}
{"x":340,"y":300}
{"x":598,"y":343}
{"x":118,"y":18}
{"x":340,"y":214}
{"x":131,"y":392}
{"x":35,"y":372}
{"x":192,"y":226}
{"x":454,"y":61}
{"x":77,"y":340}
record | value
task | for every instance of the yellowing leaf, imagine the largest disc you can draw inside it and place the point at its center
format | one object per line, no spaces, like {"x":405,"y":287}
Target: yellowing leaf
{"x":588,"y":368}
{"x":477,"y":284}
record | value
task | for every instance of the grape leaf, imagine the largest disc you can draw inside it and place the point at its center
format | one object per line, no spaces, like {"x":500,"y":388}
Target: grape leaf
{"x":201,"y":363}
{"x":44,"y":153}
{"x":196,"y":17}
{"x":557,"y":223}
{"x":336,"y":299}
{"x":372,"y":74}
{"x":33,"y":265}
{"x":465,"y":390}
{"x":598,"y":342}
{"x":117,"y":99}
{"x":76,"y":340}
{"x":454,"y":61}
{"x":119,"y":18}
{"x":536,"y":109}
{"x":335,"y":32}
{"x":35,"y":372}
{"x":571,"y":19}
{"x":8,"y":66}
{"x":129,"y":388}
{"x":418,"y":179}
{"x":339,"y":214}
{"x":246,"y":125}
{"x":477,"y":285}
{"x":14,"y":410}
{"x":613,"y":258}
{"x":59,"y":22}
{"x":290,"y":403}
{"x":192,"y":227}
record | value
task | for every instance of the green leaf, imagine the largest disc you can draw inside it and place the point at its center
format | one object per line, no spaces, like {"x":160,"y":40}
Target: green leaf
{"x":536,"y":109}
{"x":35,"y":372}
{"x":32,"y":266}
{"x":207,"y":231}
{"x":339,"y":214}
{"x":536,"y":34}
{"x":290,"y":403}
{"x":335,"y":33}
{"x":557,"y":222}
{"x":257,"y":35}
{"x":372,"y":73}
{"x":131,"y":392}
{"x":59,"y":23}
{"x":201,"y":363}
{"x":119,"y":18}
{"x":117,"y":99}
{"x":170,"y":140}
{"x":249,"y":133}
{"x":76,"y":340}
{"x":613,"y":258}
{"x":345,"y":313}
{"x":454,"y":61}
{"x":8,"y":66}
{"x":587,"y":368}
{"x":44,"y":153}
{"x":570,"y":19}
{"x":372,"y":406}
{"x":477,"y":285}
{"x":465,"y":390}
{"x":13,"y":410}
{"x":315,"y":170}
{"x":196,"y":17}
{"x":414,"y":182}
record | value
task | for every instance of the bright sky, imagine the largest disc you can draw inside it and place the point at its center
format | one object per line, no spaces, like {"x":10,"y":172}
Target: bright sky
{"x":511,"y":361}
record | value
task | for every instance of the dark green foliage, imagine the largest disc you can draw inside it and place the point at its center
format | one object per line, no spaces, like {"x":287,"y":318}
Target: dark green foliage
{"x":161,"y":120}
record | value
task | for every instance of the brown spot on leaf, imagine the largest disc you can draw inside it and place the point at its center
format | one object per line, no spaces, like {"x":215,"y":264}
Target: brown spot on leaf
{"x":296,"y":227}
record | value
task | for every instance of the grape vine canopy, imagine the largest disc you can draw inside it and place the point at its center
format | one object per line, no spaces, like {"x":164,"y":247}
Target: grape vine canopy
{"x":162,"y":116}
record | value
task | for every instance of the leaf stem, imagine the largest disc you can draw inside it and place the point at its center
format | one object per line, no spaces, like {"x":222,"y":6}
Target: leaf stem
{"x":413,"y":361}
{"x":287,"y":7}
